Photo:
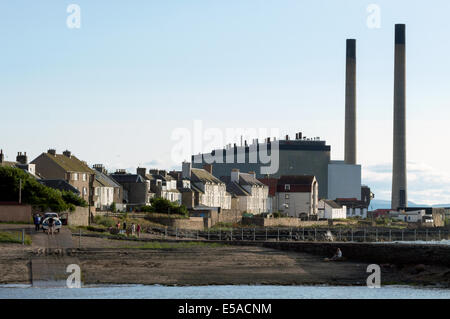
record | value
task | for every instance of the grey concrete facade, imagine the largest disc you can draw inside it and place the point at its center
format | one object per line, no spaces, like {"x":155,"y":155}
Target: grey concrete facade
{"x":296,"y":157}
{"x":399,"y":186}
{"x":350,"y":103}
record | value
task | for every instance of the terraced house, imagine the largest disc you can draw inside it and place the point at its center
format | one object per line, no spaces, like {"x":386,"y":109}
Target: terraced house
{"x":252,"y":194}
{"x":67,"y":167}
{"x":209,"y":191}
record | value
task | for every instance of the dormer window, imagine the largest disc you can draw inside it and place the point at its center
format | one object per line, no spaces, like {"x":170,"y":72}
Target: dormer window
{"x":287,"y":187}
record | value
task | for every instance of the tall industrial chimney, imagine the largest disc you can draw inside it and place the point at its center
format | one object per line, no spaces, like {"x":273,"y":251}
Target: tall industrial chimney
{"x":350,"y":103}
{"x":399,"y":195}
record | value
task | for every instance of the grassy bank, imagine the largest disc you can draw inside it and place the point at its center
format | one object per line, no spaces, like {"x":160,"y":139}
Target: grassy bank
{"x":14,"y":238}
{"x":165,"y":245}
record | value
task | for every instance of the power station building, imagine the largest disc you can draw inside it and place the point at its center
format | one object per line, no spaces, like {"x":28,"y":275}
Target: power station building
{"x":301,"y":156}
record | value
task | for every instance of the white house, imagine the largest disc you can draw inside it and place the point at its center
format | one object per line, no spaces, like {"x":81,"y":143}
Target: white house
{"x":297,"y":196}
{"x":161,"y":184}
{"x":252,"y":194}
{"x":103,"y":192}
{"x":329,"y":209}
{"x":213,"y":190}
{"x":413,"y":216}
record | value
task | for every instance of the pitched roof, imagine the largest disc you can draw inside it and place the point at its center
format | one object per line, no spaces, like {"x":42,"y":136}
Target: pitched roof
{"x":249,"y":179}
{"x":69,"y":164}
{"x":332,"y":203}
{"x":296,"y":180}
{"x":105,"y":180}
{"x":235,"y":189}
{"x":59,"y":184}
{"x":128,"y":178}
{"x":8,"y":164}
{"x":196,"y":189}
{"x":201,"y":175}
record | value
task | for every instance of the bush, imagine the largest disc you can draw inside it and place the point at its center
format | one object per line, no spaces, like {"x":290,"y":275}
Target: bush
{"x":277,"y":215}
{"x":105,"y":221}
{"x":164,"y":206}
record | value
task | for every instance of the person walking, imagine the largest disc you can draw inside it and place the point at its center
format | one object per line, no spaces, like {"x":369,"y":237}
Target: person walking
{"x":133,"y":229}
{"x":51,"y":226}
{"x":138,"y":230}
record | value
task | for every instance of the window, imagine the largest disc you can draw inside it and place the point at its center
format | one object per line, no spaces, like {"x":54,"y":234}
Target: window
{"x":287,"y":187}
{"x":286,"y":196}
{"x":84,"y":191}
{"x":84,"y":177}
{"x":75,"y":176}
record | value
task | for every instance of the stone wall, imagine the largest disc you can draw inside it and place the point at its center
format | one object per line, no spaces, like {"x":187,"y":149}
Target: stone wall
{"x":80,"y":217}
{"x":226,"y":216}
{"x":191,"y":223}
{"x":281,"y":222}
{"x":15,"y":213}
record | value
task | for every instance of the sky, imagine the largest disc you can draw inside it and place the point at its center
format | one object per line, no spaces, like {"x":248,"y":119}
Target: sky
{"x":116,"y":89}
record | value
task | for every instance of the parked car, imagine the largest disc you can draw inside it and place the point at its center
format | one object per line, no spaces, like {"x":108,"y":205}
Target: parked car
{"x":57,"y":222}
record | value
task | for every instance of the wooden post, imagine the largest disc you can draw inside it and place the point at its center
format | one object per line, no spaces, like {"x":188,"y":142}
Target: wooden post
{"x":254,"y":234}
{"x":266,"y":233}
{"x":364,"y":235}
{"x":403,"y":234}
{"x":23,"y":236}
{"x":79,"y":239}
{"x":208,"y":233}
{"x":315,"y":234}
{"x":390,"y":234}
{"x":376,"y":234}
{"x":278,"y":234}
{"x":176,"y":233}
{"x":20,"y":191}
{"x":352,"y":234}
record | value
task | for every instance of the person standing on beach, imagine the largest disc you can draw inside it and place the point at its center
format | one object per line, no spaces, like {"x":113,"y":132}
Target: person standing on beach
{"x":37,"y":222}
{"x":51,"y":226}
{"x":138,"y":229}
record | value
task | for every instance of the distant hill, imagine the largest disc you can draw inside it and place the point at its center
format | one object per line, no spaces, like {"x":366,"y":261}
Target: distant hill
{"x":386,"y":204}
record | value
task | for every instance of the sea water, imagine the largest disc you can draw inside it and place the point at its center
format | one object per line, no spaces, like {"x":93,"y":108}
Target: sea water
{"x":223,"y":292}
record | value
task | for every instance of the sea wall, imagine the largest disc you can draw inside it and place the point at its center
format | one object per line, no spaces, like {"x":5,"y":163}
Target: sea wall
{"x":374,"y":252}
{"x":282,"y":222}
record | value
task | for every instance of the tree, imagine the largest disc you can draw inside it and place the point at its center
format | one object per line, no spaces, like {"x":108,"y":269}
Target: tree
{"x":34,"y":193}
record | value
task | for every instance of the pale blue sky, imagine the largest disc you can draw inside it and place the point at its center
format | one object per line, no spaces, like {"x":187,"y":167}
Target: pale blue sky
{"x":114,"y":90}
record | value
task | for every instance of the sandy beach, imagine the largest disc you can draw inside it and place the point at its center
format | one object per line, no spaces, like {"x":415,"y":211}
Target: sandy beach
{"x":106,"y":261}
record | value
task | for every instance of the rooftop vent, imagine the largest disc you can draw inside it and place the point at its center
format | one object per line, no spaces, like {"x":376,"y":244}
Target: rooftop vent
{"x":67,"y":153}
{"x":52,"y":151}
